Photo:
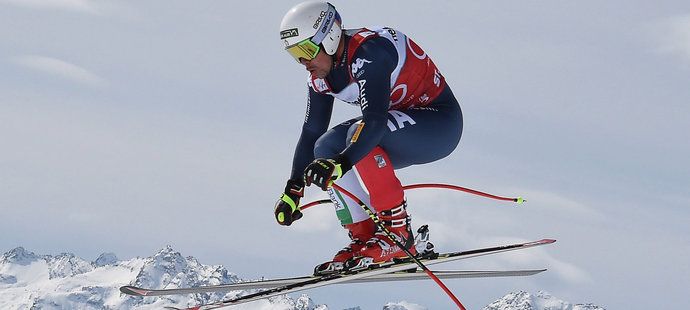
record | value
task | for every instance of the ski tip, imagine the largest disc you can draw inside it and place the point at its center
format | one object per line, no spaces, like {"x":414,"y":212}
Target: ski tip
{"x":132,"y":290}
{"x":536,"y":271}
{"x":538,"y":242}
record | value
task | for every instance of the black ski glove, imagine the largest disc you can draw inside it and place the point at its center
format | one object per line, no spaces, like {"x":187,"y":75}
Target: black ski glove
{"x":287,"y":208}
{"x":322,"y":172}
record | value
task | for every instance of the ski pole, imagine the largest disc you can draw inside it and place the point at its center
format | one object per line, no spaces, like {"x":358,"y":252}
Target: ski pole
{"x":517,"y":200}
{"x":390,"y":235}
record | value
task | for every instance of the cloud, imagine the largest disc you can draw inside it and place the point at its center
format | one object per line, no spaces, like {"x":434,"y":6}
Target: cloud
{"x":83,"y":6}
{"x":60,"y":68}
{"x":673,"y":36}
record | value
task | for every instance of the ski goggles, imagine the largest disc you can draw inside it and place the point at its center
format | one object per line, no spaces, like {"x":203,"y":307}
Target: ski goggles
{"x":306,"y":49}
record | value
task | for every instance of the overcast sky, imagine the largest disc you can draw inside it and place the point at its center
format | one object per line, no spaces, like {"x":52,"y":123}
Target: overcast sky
{"x":129,"y":125}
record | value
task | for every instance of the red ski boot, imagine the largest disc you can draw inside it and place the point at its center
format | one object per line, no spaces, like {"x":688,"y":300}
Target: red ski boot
{"x":380,"y":248}
{"x":359,"y":234}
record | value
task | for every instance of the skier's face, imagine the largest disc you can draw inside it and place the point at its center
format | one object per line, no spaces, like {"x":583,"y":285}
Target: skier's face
{"x":320,"y":66}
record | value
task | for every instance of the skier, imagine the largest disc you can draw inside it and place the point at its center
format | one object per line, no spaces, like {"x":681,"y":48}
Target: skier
{"x":409,"y":117}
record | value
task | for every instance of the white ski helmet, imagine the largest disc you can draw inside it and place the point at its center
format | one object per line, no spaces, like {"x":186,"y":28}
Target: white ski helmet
{"x":308,"y":25}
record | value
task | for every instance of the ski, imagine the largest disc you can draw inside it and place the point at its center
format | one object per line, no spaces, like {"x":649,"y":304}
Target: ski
{"x":375,"y":270}
{"x":395,"y":276}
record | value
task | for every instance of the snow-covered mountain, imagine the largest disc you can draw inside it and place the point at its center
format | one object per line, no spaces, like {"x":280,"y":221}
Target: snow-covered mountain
{"x":541,"y":301}
{"x":65,"y":281}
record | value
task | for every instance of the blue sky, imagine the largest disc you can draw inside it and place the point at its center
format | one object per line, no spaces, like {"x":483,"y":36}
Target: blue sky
{"x":129,"y":125}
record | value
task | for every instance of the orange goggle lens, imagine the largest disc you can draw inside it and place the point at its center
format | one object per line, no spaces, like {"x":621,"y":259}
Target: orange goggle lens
{"x":304,"y":49}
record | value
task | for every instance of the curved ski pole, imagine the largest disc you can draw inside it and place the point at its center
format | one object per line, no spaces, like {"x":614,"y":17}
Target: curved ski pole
{"x":383,"y":228}
{"x":517,"y":200}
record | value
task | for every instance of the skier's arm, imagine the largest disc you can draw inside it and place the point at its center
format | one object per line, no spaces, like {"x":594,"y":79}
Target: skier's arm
{"x":317,"y":118}
{"x":319,"y":108}
{"x":374,"y":61}
{"x":374,"y":96}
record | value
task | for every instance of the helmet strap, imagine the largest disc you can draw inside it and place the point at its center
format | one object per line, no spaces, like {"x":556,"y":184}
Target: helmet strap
{"x":339,"y":58}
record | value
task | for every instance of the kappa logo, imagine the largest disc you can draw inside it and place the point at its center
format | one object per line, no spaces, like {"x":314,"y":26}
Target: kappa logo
{"x":289,"y":33}
{"x":358,"y":64}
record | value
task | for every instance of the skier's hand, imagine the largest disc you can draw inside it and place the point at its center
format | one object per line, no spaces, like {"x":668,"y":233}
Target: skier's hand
{"x":287,"y":208}
{"x":322,"y":172}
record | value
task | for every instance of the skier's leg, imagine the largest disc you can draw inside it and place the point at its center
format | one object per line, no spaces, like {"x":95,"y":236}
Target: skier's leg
{"x":358,"y":224}
{"x":376,"y":173}
{"x":330,"y":144}
{"x":423,"y":135}
{"x":415,"y":136}
{"x":347,"y":210}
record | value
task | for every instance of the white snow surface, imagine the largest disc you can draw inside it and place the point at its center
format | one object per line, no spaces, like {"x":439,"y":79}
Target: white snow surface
{"x":65,"y":281}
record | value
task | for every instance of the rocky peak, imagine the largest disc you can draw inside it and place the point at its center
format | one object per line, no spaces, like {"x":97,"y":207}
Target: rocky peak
{"x":66,"y":265}
{"x":522,"y":300}
{"x":105,"y":259}
{"x":19,"y":256}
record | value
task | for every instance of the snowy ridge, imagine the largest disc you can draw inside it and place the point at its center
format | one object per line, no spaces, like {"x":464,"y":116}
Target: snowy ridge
{"x":542,"y":301}
{"x":403,"y":305}
{"x":65,"y":281}
{"x":19,"y":256}
{"x":67,"y":265}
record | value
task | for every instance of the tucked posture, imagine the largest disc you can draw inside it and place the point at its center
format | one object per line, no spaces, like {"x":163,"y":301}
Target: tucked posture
{"x":409,"y":117}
